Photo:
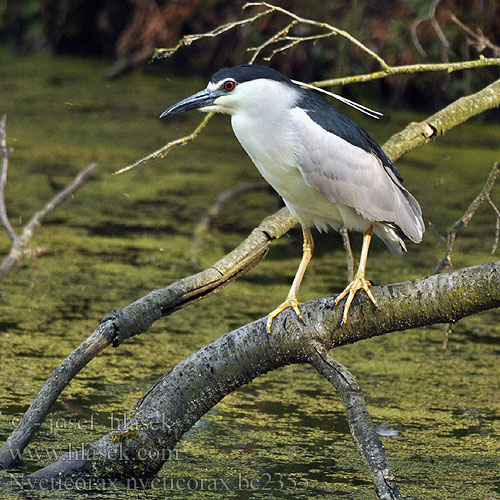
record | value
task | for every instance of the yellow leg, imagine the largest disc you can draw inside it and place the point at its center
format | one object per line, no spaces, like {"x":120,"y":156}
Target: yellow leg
{"x":291,"y":300}
{"x":359,"y":282}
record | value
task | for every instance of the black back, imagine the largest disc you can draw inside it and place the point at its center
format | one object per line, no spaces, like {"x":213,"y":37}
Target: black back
{"x":331,"y":119}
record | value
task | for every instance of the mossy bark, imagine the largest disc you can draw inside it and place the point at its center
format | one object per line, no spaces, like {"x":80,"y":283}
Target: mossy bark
{"x":184,"y":394}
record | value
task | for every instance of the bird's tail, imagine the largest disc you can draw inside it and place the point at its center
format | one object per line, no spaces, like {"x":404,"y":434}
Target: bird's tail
{"x":390,"y":237}
{"x":409,"y":220}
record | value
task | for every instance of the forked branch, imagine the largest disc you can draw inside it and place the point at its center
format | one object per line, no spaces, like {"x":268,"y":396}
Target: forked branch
{"x":484,"y":195}
{"x":19,"y":248}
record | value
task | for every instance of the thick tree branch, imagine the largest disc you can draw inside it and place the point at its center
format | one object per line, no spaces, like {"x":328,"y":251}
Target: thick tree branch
{"x":138,"y":317}
{"x":182,"y":396}
{"x":458,"y":112}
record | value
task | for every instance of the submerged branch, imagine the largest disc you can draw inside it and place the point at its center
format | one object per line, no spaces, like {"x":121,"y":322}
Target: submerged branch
{"x":360,"y":424}
{"x":203,"y":227}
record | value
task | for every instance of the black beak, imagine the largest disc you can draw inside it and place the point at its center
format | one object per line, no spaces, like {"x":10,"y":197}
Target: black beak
{"x":199,"y":100}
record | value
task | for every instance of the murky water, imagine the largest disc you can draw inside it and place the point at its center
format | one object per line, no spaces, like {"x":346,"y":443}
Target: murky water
{"x":285,"y":435}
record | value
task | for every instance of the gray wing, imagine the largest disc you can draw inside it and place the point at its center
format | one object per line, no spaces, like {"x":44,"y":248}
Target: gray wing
{"x":347,"y":174}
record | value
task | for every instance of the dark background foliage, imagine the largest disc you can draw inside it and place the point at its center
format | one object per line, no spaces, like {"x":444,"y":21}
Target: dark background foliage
{"x":404,"y":32}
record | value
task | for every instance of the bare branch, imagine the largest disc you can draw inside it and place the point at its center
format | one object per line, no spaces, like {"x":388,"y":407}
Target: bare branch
{"x":162,"y":152}
{"x":280,"y":35}
{"x":19,"y":248}
{"x":331,"y":29}
{"x":479,"y":37}
{"x":295,"y":40}
{"x":184,"y":394}
{"x":63,"y":195}
{"x":206,"y":221}
{"x":410,"y":68}
{"x":3,"y":180}
{"x":189,"y":39}
{"x":415,"y":134}
{"x":360,"y":424}
{"x":445,"y":262}
{"x":140,"y":315}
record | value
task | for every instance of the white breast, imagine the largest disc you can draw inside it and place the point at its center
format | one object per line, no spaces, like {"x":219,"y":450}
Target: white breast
{"x":275,"y":158}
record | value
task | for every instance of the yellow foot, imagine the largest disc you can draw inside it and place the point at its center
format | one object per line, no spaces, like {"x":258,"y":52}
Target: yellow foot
{"x":289,"y":302}
{"x":359,"y":282}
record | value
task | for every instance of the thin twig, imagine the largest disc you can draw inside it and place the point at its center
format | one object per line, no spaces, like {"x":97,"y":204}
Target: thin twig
{"x":479,"y":37}
{"x":410,"y":68}
{"x":445,"y":262}
{"x":63,"y":195}
{"x":331,"y":29}
{"x":189,"y":39}
{"x":162,"y":152}
{"x":295,"y":40}
{"x":280,"y":35}
{"x":206,"y":221}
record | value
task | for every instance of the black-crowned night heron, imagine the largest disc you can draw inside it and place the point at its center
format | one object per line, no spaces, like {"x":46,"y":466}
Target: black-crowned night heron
{"x":327,"y":169}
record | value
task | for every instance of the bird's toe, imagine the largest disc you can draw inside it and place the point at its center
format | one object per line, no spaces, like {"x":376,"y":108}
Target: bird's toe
{"x":289,"y":302}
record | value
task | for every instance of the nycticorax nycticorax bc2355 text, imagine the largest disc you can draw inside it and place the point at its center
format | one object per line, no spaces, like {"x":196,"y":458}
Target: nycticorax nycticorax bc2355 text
{"x":327,"y":169}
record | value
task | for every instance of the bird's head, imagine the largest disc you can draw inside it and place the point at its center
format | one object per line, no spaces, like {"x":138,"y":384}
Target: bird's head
{"x":245,"y":88}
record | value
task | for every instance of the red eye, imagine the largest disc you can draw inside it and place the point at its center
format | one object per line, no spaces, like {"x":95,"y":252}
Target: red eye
{"x":229,"y":85}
